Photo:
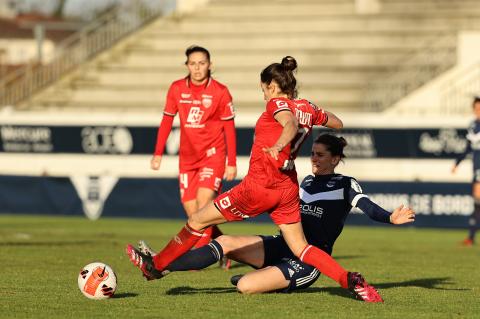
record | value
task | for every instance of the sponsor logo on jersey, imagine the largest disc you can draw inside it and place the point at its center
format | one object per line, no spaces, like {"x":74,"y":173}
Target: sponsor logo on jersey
{"x":225,"y":202}
{"x":185,"y":95}
{"x":186,"y":101}
{"x":281,"y":104}
{"x":311,"y":210}
{"x":195,"y":117}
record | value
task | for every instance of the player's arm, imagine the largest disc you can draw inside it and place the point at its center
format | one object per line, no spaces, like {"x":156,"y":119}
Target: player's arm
{"x":227,"y":117}
{"x":290,"y":126}
{"x":333,"y":121}
{"x":400,"y":215}
{"x":169,"y":113}
{"x":461,"y":157}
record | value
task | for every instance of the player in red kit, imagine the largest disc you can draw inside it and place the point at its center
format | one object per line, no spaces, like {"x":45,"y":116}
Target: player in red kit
{"x":207,"y":134}
{"x":270,"y":186}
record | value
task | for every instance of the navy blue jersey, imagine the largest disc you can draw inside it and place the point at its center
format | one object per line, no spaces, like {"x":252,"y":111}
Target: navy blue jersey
{"x":473,"y":146}
{"x":325,"y":202}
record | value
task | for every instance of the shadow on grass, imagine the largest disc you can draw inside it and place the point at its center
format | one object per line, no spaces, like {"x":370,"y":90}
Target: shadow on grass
{"x":124,"y":295}
{"x":185,"y":290}
{"x":48,"y":243}
{"x":427,"y":283}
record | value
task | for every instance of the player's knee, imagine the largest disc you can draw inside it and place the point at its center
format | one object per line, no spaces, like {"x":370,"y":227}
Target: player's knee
{"x":247,"y":287}
{"x":226,"y":242}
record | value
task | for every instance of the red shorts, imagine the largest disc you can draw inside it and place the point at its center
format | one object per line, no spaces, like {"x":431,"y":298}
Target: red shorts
{"x":209,"y":176}
{"x":249,"y":199}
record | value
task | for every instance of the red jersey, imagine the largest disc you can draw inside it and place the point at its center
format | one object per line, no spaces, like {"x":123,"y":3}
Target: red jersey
{"x":281,"y":173}
{"x":202,"y":110}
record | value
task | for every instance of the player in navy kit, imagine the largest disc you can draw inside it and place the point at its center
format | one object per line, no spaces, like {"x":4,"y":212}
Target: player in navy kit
{"x":270,"y":186}
{"x":326,"y":199}
{"x":473,"y":146}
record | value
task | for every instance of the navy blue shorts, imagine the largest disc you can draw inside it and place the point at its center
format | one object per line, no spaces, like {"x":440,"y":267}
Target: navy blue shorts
{"x":278,"y":254}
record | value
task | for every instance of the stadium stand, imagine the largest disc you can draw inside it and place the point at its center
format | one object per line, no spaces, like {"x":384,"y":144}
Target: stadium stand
{"x":339,"y":52}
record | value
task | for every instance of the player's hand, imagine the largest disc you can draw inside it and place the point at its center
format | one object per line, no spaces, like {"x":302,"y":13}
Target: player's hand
{"x":402,"y":215}
{"x":155,"y":162}
{"x":273,"y":151}
{"x":230,"y":173}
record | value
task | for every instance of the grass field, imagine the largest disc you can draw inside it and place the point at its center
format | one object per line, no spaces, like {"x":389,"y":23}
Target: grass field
{"x":421,"y":273}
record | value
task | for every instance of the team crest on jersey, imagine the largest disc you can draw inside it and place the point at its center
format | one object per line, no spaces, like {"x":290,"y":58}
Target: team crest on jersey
{"x":206,"y":102}
{"x":356,"y":187}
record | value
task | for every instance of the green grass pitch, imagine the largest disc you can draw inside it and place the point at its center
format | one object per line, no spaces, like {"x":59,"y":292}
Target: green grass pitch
{"x":421,"y":273}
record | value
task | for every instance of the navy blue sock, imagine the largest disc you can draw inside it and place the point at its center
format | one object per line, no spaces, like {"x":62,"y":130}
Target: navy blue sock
{"x":198,"y":258}
{"x":474,"y":221}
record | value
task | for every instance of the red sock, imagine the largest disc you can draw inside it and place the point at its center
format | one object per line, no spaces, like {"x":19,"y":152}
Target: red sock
{"x":325,"y":264}
{"x":216,"y":232}
{"x":178,"y":246}
{"x":206,"y":237}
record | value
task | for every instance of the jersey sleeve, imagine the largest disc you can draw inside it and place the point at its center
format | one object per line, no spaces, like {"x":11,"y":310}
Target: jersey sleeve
{"x":356,"y":198}
{"x":321,"y":117}
{"x":171,"y":107}
{"x":226,"y":104}
{"x":354,"y":192}
{"x":276,"y":105}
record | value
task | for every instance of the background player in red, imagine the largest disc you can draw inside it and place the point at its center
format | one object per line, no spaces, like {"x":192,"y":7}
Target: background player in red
{"x":270,"y":186}
{"x":207,"y":134}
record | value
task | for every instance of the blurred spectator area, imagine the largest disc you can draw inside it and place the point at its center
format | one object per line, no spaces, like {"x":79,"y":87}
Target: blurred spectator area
{"x":26,"y":37}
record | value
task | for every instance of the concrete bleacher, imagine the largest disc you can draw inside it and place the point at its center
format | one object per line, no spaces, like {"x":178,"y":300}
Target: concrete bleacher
{"x":338,"y":50}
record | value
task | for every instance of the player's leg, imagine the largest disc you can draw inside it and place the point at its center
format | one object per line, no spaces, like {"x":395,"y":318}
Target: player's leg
{"x":188,"y":182}
{"x":474,"y":219}
{"x":262,"y":280}
{"x":311,"y":255}
{"x":288,"y":275}
{"x":208,"y":186}
{"x":205,"y":196}
{"x":295,"y":239}
{"x":244,"y":249}
{"x":179,"y":244}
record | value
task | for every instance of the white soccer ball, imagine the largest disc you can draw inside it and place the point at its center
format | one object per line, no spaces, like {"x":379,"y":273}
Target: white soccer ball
{"x":97,"y":281}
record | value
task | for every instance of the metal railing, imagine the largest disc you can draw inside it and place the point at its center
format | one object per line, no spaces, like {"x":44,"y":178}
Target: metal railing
{"x":95,"y":37}
{"x":417,"y":69}
{"x":457,"y":94}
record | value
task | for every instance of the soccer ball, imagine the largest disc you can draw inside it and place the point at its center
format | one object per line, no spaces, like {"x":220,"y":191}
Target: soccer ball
{"x":97,"y":281}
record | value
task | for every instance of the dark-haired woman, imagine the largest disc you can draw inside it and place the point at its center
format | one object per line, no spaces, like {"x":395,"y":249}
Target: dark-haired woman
{"x":270,"y":186}
{"x":207,"y":134}
{"x":473,"y":146}
{"x":326,"y":199}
